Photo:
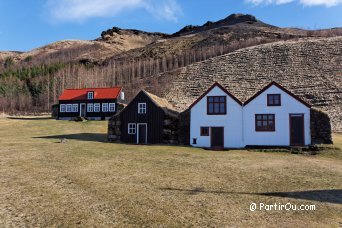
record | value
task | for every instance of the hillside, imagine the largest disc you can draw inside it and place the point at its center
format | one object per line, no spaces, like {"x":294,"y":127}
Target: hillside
{"x":118,"y":44}
{"x":232,"y":30}
{"x":78,"y":50}
{"x":310,"y":68}
{"x":238,"y":50}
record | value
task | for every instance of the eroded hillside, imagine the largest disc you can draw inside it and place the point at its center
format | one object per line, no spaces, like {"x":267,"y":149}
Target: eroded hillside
{"x":310,"y":68}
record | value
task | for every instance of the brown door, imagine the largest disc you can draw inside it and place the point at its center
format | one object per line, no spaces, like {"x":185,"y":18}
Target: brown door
{"x":297,"y":130}
{"x":142,"y":131}
{"x":217,"y":139}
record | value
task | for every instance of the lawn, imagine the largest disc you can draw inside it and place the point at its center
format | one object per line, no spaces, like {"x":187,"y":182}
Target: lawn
{"x":86,"y":181}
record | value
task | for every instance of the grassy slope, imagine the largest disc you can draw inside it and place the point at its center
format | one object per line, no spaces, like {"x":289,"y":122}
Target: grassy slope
{"x":86,"y":181}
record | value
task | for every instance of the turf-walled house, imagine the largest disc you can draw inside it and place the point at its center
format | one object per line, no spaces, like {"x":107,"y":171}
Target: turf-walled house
{"x":147,"y":119}
{"x":276,"y":117}
{"x":272,"y":117}
{"x":90,"y":103}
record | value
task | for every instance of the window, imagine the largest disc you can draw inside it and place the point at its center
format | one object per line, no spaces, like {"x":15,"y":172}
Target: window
{"x":75,"y":108}
{"x":62,"y":108}
{"x":132,"y":128}
{"x":141,"y":108}
{"x":111,"y":107}
{"x":68,"y":108}
{"x":273,"y":100}
{"x":97,"y":107}
{"x":90,"y":107}
{"x":122,"y":96}
{"x":264,"y":122}
{"x":105,"y":107}
{"x":204,"y":131}
{"x":216,"y":105}
{"x":90,"y":95}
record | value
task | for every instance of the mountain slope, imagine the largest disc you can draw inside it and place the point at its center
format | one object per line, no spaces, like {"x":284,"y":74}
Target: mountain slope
{"x":32,"y":81}
{"x":117,"y":44}
{"x":234,"y":29}
{"x":310,"y":68}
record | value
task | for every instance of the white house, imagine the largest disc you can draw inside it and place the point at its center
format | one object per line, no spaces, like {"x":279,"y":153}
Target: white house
{"x":276,"y":117}
{"x":272,"y":117}
{"x":216,"y":120}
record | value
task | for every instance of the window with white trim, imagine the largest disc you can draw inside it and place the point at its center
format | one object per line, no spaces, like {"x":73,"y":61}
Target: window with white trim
{"x":132,"y":128}
{"x":97,"y":107}
{"x":104,"y":107}
{"x":90,"y":95}
{"x":141,"y":108}
{"x":111,"y":107}
{"x":90,"y":107}
{"x":122,"y":96}
{"x":75,"y":108}
{"x":69,"y":108}
{"x":62,"y":108}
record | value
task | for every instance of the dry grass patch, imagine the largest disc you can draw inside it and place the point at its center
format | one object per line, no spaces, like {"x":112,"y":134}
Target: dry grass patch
{"x":88,"y":182}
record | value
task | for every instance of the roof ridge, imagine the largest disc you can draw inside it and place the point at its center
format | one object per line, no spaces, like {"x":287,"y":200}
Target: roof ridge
{"x":159,"y":100}
{"x":96,"y":88}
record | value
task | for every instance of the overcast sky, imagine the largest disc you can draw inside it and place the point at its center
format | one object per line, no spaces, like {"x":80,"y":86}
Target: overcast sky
{"x":27,"y":24}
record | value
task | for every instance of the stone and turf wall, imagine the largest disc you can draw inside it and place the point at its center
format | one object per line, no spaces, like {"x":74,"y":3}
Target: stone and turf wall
{"x":320,"y":127}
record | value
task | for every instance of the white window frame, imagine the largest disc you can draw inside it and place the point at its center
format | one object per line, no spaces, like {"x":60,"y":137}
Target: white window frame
{"x":75,"y":108}
{"x":97,"y":107}
{"x":90,"y":107}
{"x":62,"y":108}
{"x":90,"y":95}
{"x":142,"y":108}
{"x":69,"y":108}
{"x":105,"y":107}
{"x":122,"y":96}
{"x":132,"y":128}
{"x":111,"y":107}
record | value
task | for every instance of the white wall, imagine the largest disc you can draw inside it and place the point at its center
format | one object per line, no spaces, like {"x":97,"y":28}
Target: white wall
{"x":281,"y":135}
{"x":232,"y":121}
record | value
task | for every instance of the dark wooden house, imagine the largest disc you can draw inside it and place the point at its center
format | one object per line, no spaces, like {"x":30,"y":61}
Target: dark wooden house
{"x":90,"y":103}
{"x":147,"y":119}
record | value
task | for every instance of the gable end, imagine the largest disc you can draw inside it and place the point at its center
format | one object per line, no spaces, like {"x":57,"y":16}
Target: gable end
{"x":212,"y":87}
{"x":280,"y":87}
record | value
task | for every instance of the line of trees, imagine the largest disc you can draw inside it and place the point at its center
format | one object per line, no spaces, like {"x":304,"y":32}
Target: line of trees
{"x":35,"y":88}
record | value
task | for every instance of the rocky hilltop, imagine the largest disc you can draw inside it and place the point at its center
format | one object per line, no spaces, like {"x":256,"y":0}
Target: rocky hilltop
{"x":231,"y":20}
{"x":119,"y":44}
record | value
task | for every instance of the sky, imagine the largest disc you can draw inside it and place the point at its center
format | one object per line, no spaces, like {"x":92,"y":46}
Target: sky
{"x":28,"y":24}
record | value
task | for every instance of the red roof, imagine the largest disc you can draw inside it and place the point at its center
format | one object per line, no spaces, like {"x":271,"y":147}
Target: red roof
{"x":99,"y":93}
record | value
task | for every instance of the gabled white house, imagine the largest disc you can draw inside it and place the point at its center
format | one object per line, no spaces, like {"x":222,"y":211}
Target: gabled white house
{"x":276,"y":117}
{"x":216,"y":120}
{"x":272,"y":117}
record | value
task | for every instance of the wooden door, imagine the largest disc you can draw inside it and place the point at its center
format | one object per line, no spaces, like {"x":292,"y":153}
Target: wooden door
{"x":217,"y":137}
{"x":142,"y":133}
{"x":83,"y":110}
{"x":297,"y":130}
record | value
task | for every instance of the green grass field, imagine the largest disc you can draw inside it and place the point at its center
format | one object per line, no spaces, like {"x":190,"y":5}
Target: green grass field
{"x":88,"y":182}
